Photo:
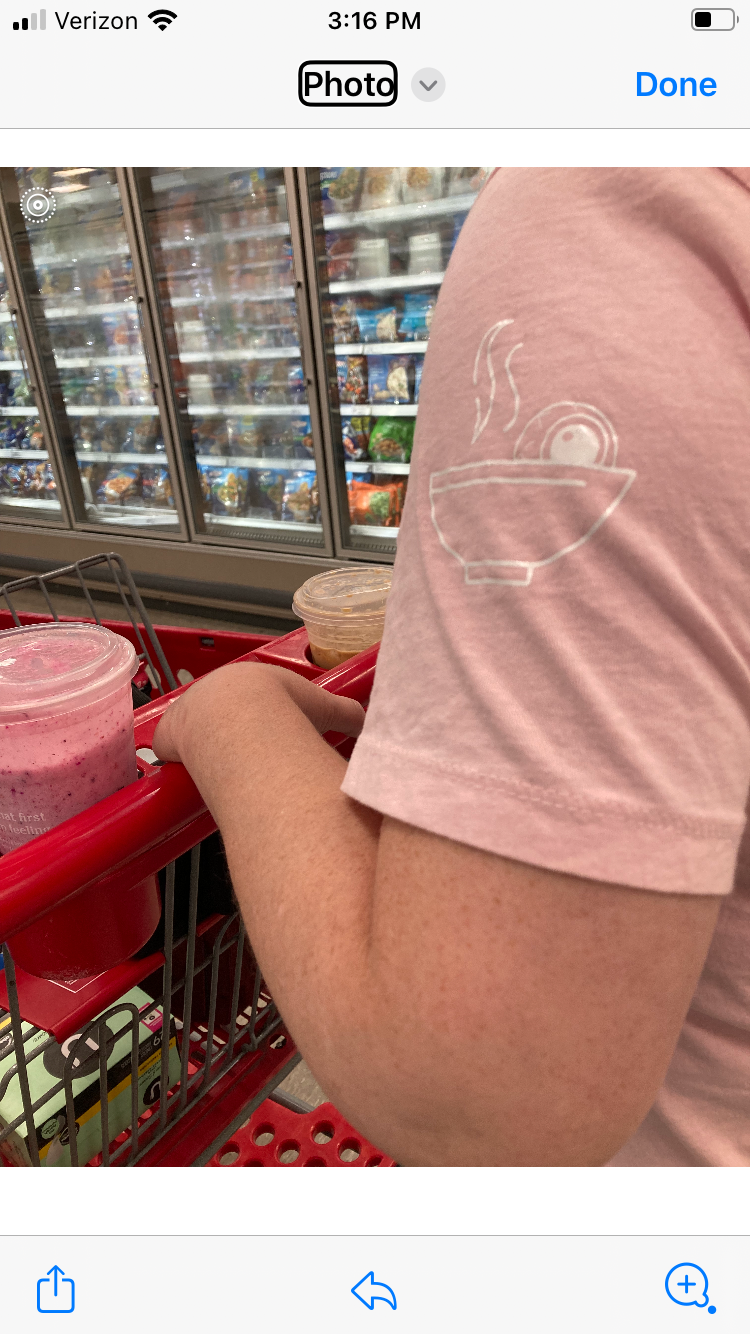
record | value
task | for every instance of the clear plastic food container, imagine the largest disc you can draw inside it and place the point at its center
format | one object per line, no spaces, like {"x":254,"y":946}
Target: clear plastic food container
{"x":66,"y":741}
{"x":343,"y":611}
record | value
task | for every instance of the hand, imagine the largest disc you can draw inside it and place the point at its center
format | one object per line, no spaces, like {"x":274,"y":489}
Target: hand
{"x":242,"y":689}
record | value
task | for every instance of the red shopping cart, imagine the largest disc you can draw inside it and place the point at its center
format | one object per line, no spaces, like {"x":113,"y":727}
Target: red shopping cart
{"x":163,"y":1058}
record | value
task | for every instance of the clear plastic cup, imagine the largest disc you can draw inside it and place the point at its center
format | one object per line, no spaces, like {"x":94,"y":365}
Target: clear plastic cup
{"x":66,"y":741}
{"x":343,"y":611}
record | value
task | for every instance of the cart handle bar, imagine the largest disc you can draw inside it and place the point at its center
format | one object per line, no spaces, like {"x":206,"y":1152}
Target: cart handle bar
{"x":129,"y":836}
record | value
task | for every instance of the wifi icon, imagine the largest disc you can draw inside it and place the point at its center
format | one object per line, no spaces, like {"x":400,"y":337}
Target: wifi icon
{"x":162,"y":17}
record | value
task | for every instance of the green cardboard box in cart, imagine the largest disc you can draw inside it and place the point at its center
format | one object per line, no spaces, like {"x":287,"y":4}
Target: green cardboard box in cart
{"x":46,"y":1071}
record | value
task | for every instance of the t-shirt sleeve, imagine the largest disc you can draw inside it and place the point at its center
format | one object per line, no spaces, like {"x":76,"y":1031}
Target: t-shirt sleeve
{"x":564,"y":675}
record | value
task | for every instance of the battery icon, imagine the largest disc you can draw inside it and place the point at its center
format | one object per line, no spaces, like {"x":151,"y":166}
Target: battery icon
{"x":715,"y":20}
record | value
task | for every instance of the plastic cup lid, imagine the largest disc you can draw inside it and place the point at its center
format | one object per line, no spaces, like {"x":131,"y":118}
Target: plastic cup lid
{"x":344,"y":593}
{"x":43,"y":665}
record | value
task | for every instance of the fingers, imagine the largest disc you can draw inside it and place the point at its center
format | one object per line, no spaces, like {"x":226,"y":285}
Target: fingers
{"x":347,"y":716}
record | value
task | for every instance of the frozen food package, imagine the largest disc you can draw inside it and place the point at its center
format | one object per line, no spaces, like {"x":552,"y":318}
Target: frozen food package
{"x":419,"y":367}
{"x":245,"y":437}
{"x":376,"y":505}
{"x":379,"y":326}
{"x":295,"y":383}
{"x":345,"y":320}
{"x":210,"y":435}
{"x":392,"y":439}
{"x":372,"y":256}
{"x":355,"y":435}
{"x":352,"y":476}
{"x":12,"y":479}
{"x":156,"y":488}
{"x":420,"y":184}
{"x":419,"y":308}
{"x":466,"y":180}
{"x":266,"y":493}
{"x":299,"y":490}
{"x":120,"y":486}
{"x":351,"y":373}
{"x":339,"y":188}
{"x":390,"y":379}
{"x":381,"y":187}
{"x":340,"y":256}
{"x":425,"y":253}
{"x":225,"y":489}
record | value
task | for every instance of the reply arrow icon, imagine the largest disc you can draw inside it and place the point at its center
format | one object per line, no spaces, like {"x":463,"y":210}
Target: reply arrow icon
{"x":369,"y":1292}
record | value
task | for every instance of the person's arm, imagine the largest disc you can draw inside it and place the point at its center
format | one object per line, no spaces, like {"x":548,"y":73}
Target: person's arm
{"x":458,"y":1007}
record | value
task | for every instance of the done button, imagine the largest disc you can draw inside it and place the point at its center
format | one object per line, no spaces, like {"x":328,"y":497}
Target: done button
{"x":348,"y":83}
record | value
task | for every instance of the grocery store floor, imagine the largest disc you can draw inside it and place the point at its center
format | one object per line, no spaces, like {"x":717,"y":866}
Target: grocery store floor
{"x":301,"y":1083}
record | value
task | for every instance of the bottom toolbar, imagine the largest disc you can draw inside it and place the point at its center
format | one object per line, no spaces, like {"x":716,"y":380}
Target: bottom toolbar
{"x":528,"y":1285}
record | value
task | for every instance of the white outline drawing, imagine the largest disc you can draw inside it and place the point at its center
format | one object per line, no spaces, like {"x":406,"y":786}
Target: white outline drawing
{"x":563,"y":479}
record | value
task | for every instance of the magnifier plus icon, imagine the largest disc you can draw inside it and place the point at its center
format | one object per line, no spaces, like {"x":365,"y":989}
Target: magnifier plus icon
{"x":687,"y":1285}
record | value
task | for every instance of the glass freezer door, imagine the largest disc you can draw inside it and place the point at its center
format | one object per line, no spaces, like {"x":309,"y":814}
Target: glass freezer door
{"x":28,"y":489}
{"x":221,"y":244}
{"x":383,"y":237}
{"x":75,"y":265}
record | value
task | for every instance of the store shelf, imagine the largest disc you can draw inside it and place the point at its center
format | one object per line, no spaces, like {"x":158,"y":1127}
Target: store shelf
{"x":105,"y":456}
{"x":11,"y":365}
{"x":372,"y":530}
{"x":379,"y":349}
{"x":23,"y":454}
{"x":248,"y":410}
{"x":87,"y":410}
{"x":83,"y":308}
{"x":132,"y":516}
{"x":263,"y":231}
{"x":18,"y":412}
{"x":84,"y":363}
{"x":57,"y":261}
{"x":279,"y":294}
{"x":291,"y":353}
{"x":244,"y":521}
{"x":395,"y":282}
{"x":227,"y":461}
{"x":375,"y":217}
{"x":378,"y":409}
{"x":378,"y":467}
{"x":29,"y":502}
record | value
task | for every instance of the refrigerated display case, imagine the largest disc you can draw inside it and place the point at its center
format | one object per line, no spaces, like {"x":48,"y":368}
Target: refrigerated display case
{"x":382,"y":238}
{"x":75,"y":267}
{"x":226,"y":358}
{"x":222,"y":248}
{"x":28,"y":489}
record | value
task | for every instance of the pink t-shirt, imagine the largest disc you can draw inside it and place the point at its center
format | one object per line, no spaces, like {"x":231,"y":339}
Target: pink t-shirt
{"x":565,"y":671}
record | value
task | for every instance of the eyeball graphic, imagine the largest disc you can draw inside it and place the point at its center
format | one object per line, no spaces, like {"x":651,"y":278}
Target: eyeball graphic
{"x":576,"y":443}
{"x":569,"y":433}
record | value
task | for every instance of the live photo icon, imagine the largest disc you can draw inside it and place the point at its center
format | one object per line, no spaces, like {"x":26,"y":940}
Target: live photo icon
{"x":31,"y":23}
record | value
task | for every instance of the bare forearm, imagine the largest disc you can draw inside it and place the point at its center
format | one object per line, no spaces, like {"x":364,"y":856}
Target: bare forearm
{"x":301,"y":855}
{"x":457,"y":1007}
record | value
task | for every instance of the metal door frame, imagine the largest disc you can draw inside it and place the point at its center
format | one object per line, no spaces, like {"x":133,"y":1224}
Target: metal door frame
{"x":197,"y":530}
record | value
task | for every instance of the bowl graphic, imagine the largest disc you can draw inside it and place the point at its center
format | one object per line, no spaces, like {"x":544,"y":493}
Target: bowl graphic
{"x":504,"y":518}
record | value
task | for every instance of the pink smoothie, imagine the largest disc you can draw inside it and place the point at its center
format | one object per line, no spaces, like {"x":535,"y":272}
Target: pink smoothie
{"x":66,"y":725}
{"x":55,"y":767}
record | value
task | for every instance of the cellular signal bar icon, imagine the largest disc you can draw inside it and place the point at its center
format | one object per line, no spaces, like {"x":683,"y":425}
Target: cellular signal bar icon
{"x":31,"y":23}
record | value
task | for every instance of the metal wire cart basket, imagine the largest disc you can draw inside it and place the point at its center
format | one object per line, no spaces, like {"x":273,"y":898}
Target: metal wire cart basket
{"x":159,"y":1060}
